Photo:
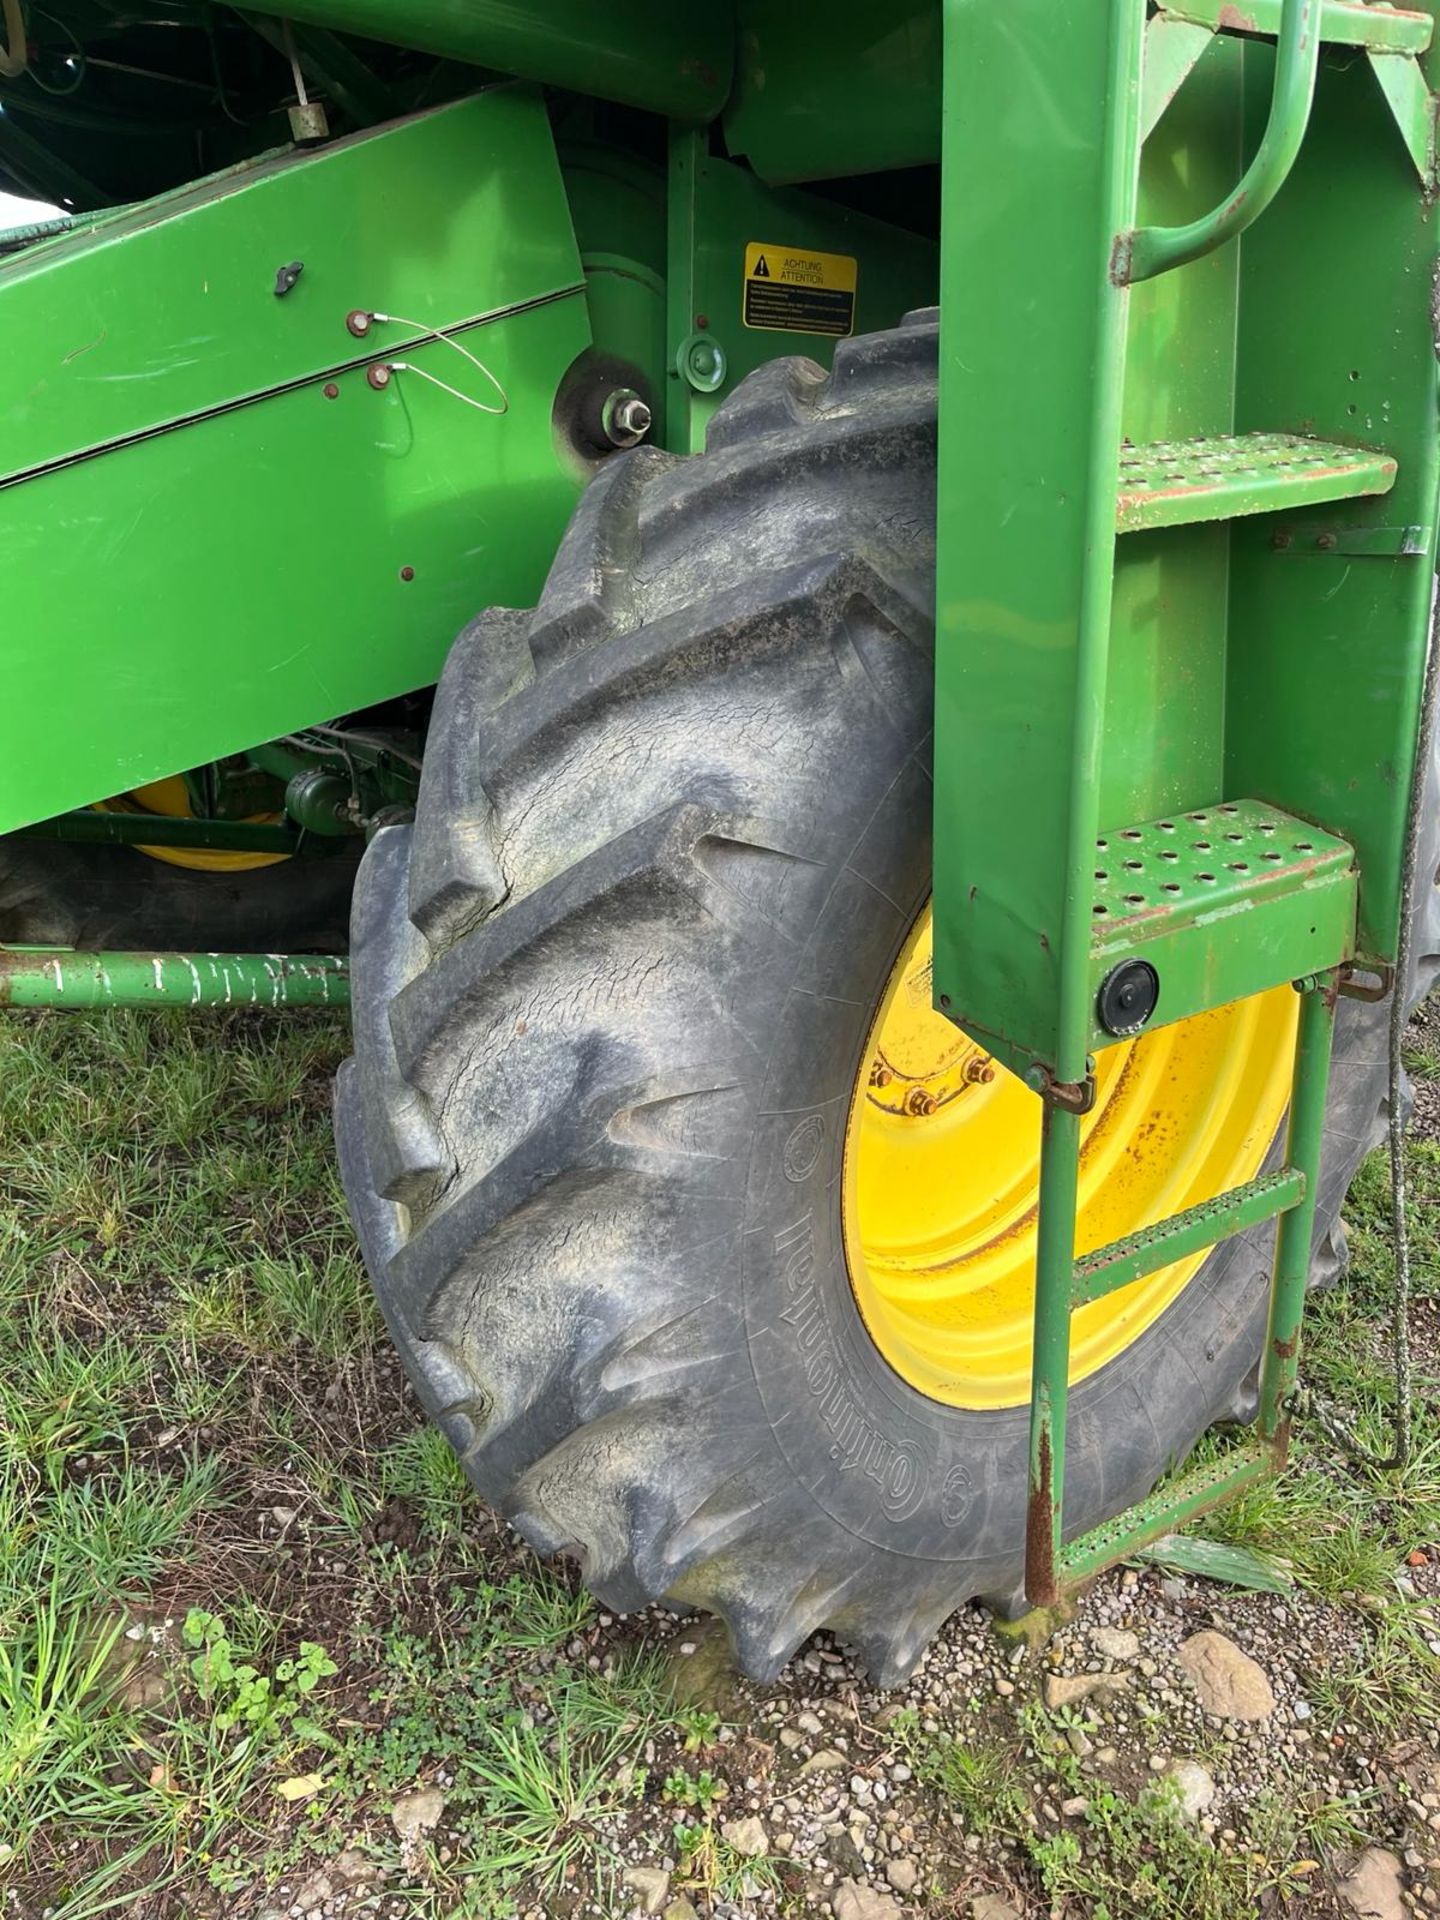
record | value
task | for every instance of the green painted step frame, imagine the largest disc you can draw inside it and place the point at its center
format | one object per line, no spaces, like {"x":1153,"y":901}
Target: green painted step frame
{"x":1235,"y":230}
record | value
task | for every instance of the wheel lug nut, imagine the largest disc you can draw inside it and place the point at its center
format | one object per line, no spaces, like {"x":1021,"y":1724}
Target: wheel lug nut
{"x":880,"y":1075}
{"x":979,"y":1070}
{"x":920,"y":1103}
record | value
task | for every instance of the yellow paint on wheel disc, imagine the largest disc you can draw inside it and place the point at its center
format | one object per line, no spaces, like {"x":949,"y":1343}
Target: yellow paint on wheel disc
{"x":170,"y":799}
{"x":942,"y":1159}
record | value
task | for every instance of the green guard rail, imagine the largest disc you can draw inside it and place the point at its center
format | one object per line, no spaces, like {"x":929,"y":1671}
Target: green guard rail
{"x":1153,"y":250}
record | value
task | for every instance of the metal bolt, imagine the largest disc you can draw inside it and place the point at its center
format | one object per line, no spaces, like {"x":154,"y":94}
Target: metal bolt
{"x":407,"y":573}
{"x":1280,"y":541}
{"x":920,"y":1103}
{"x":332,"y":392}
{"x":1326,"y":541}
{"x":979,"y":1070}
{"x":880,"y":1075}
{"x":378,"y":376}
{"x":359,"y":322}
{"x":625,"y":417}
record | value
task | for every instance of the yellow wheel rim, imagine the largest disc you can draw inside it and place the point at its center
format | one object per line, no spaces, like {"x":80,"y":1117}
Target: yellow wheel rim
{"x":942,"y":1156}
{"x":169,"y":798}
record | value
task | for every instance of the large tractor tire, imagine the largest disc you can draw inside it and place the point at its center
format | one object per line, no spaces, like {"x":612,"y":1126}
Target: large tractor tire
{"x":707,"y":1243}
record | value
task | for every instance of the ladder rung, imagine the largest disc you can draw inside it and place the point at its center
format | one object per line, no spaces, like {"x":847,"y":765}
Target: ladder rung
{"x":1345,"y":23}
{"x":1171,"y":483}
{"x":1192,"y":1231}
{"x":1165,"y":1510}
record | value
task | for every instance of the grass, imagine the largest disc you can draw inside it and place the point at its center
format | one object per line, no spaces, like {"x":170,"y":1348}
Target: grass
{"x":213,"y":1482}
{"x":247,"y":1599}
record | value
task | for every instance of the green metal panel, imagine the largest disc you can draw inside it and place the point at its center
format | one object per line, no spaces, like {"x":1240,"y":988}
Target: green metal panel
{"x":1167,"y":633}
{"x":716,"y":209}
{"x":1323,"y":633}
{"x":198,"y":614}
{"x":1030,"y":393}
{"x":167,"y":311}
{"x":646,"y":53}
{"x":287,"y":555}
{"x":852,"y":91}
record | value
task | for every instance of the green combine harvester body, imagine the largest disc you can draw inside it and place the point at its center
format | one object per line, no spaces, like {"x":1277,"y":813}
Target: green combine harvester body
{"x":350,"y":302}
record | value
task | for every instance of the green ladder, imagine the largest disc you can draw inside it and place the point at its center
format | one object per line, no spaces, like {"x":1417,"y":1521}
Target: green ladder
{"x":1187,"y":499}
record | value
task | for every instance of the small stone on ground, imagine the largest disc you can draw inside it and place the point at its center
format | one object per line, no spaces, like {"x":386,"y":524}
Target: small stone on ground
{"x":1227,"y":1682}
{"x":1373,"y":1888}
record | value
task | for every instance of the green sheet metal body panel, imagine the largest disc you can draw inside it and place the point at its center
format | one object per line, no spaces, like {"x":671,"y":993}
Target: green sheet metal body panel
{"x":217,"y":522}
{"x":168,"y":310}
{"x":717,"y":209}
{"x":303,"y":544}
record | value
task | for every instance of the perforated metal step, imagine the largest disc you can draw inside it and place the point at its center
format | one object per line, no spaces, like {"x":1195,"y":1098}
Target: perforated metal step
{"x":1170,"y":893}
{"x":1169,"y":483}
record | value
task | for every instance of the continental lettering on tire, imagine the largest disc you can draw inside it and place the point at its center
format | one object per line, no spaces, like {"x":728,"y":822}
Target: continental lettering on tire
{"x":797,"y":290}
{"x":898,"y":1468}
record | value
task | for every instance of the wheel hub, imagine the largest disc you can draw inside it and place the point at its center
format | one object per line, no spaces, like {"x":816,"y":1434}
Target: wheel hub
{"x":941,"y":1177}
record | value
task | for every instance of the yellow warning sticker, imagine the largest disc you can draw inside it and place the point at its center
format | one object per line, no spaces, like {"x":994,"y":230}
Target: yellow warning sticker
{"x":791,"y":290}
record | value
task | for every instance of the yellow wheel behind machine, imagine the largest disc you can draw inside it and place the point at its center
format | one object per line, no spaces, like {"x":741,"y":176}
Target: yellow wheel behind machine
{"x":942,"y":1160}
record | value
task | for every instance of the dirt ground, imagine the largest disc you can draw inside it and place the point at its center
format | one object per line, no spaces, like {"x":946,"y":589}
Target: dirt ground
{"x":262,"y":1654}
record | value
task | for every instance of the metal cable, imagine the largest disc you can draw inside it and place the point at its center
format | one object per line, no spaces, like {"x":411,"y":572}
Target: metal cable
{"x":1322,"y":1411}
{"x":408,"y":366}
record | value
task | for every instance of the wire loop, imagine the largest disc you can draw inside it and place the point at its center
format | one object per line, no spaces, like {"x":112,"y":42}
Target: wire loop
{"x":408,"y":366}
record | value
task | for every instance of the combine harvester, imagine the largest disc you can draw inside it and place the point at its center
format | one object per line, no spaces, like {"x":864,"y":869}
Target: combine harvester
{"x":830,"y":974}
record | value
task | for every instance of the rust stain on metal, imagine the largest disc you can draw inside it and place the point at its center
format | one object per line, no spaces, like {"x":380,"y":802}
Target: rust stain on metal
{"x":1235,"y":20}
{"x":1039,"y":1538}
{"x":1286,"y":1349}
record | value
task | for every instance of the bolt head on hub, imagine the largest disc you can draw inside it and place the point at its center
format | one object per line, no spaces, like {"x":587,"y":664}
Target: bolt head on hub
{"x":626,"y":417}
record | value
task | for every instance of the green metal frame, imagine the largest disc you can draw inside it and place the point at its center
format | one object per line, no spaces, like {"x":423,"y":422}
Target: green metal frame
{"x":1201,"y":749}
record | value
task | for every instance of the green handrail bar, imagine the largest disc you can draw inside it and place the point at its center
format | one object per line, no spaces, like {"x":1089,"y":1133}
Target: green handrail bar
{"x":1148,"y":251}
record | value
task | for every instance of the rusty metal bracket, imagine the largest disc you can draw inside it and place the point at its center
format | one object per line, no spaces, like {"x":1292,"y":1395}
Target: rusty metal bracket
{"x":1070,"y":1096}
{"x":1351,"y":983}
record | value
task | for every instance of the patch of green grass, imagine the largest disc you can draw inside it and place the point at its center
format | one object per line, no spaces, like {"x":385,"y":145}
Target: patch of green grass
{"x":709,"y":1864}
{"x":1389,"y":1685}
{"x":546,"y":1795}
{"x":1131,"y":1856}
